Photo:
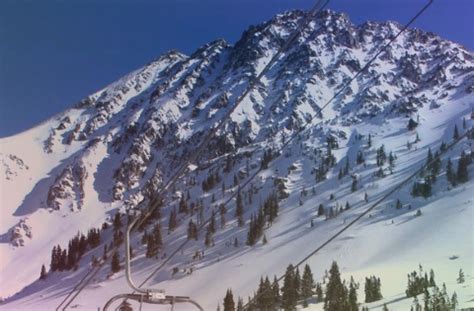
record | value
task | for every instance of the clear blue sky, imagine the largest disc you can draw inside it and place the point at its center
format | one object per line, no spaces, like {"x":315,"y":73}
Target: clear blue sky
{"x":55,"y":52}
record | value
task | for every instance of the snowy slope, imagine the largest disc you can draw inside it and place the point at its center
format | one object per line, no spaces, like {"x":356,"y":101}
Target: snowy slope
{"x":121,"y":144}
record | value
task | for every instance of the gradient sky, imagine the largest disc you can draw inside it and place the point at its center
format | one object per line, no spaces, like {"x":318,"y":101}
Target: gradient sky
{"x":55,"y":52}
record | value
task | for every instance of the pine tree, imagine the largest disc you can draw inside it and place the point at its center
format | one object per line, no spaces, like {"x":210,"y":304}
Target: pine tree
{"x":117,"y":221}
{"x":352,"y":296}
{"x":157,"y":234}
{"x":229,"y":304}
{"x":43,"y":273}
{"x":450,"y":173}
{"x":335,"y":298}
{"x":208,"y":237}
{"x":222,"y":211}
{"x":366,"y":197}
{"x":372,"y":289}
{"x":239,"y":209}
{"x":454,"y":300}
{"x":462,"y":172}
{"x":381,"y":156}
{"x":391,"y":160}
{"x":461,"y":277}
{"x":432,"y":282}
{"x":354,"y":185}
{"x":192,"y":230}
{"x":456,"y":133}
{"x":151,"y":247}
{"x":412,"y":124}
{"x":276,"y":291}
{"x":115,"y":262}
{"x":369,"y":141}
{"x":319,"y":293}
{"x":307,"y":283}
{"x":289,"y":292}
{"x":264,"y":297}
{"x":54,"y":259}
{"x":183,"y":205}
{"x":321,"y":211}
{"x":360,"y":157}
{"x":399,"y":204}
{"x":173,"y":223}
{"x":104,"y":255}
{"x":240,"y":304}
{"x":212,"y":223}
{"x":297,"y":283}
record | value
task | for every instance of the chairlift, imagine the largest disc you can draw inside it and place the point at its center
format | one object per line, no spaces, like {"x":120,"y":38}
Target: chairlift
{"x":147,"y":295}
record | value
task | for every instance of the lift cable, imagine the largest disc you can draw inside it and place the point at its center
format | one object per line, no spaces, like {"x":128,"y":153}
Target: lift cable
{"x":251,"y":84}
{"x":296,"y":134}
{"x":389,"y":193}
{"x":194,"y":156}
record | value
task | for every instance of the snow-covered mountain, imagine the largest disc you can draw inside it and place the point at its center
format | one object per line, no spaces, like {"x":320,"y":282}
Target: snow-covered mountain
{"x":120,"y":145}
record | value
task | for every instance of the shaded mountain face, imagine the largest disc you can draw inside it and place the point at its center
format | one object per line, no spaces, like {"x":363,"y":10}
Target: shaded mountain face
{"x":120,"y":145}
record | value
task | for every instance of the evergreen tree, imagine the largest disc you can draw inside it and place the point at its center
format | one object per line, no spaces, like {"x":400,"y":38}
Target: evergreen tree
{"x":391,"y":160}
{"x":192,"y":230}
{"x":157,"y":235}
{"x":183,"y":205}
{"x":346,"y":167}
{"x":173,"y":222}
{"x":372,"y":289}
{"x":450,"y":175}
{"x":222,"y":211}
{"x":229,"y":304}
{"x":461,"y":277}
{"x":276,"y":291}
{"x":307,"y":284}
{"x":321,"y":211}
{"x":462,"y":172}
{"x":354,"y":185}
{"x":43,"y":273}
{"x":399,"y":204}
{"x":212,"y":223}
{"x":117,"y":221}
{"x":54,"y":259}
{"x":335,"y":298}
{"x":360,"y":157}
{"x":240,"y":304}
{"x":265,"y":298}
{"x":432,"y":282}
{"x":412,"y":124}
{"x":352,"y":296}
{"x":381,"y":156}
{"x":384,"y":307}
{"x":456,"y":133}
{"x":115,"y":262}
{"x":319,"y":293}
{"x":297,"y":283}
{"x":454,"y":300}
{"x":289,"y":291}
{"x":208,"y":237}
{"x":239,"y":209}
{"x":104,"y":255}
